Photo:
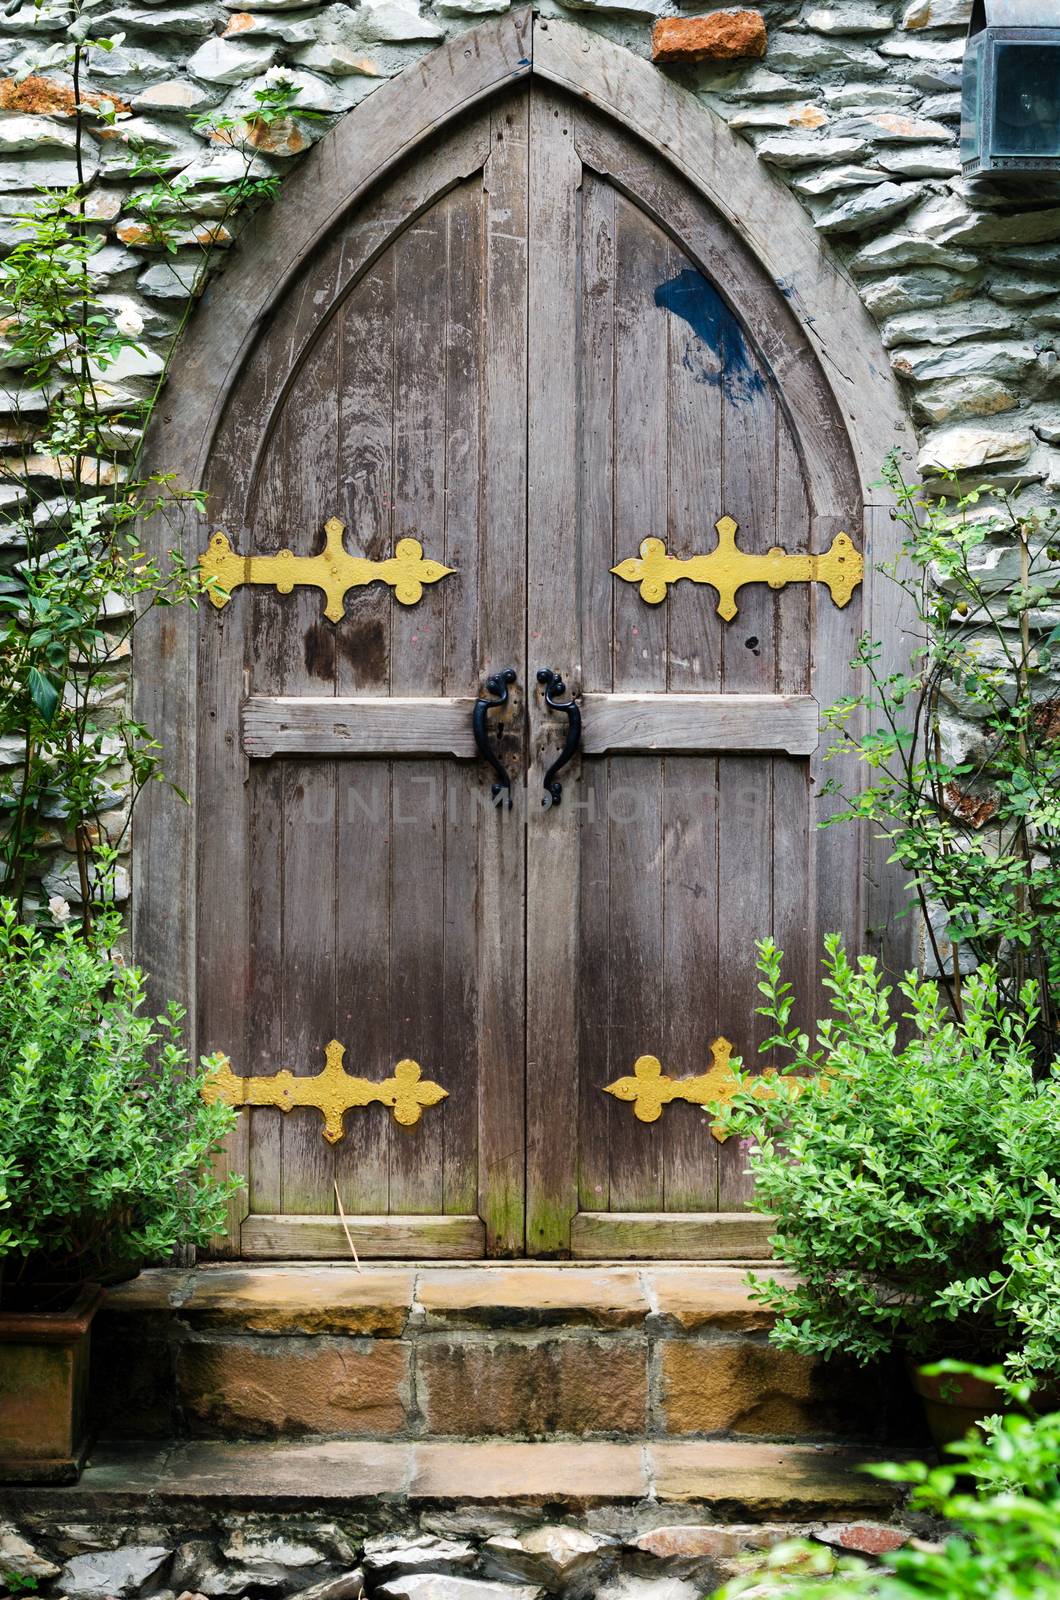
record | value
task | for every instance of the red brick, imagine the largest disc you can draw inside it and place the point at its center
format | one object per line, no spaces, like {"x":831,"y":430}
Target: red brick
{"x":865,"y":1538}
{"x":36,"y":94}
{"x":687,"y":1541}
{"x":719,"y":36}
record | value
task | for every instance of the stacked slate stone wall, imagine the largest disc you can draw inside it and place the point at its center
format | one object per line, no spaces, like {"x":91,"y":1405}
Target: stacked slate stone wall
{"x":461,"y":1553}
{"x":854,"y":104}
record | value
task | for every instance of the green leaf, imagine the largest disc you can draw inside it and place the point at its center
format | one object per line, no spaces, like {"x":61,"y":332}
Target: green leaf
{"x":43,"y":693}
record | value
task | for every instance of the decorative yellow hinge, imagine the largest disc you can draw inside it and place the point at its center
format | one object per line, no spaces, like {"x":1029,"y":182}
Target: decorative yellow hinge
{"x":332,"y":1091}
{"x":727,"y":569}
{"x":333,"y":569}
{"x":649,"y":1088}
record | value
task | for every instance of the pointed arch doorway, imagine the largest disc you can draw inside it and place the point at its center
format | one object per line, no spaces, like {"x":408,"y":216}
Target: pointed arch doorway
{"x":529,"y":305}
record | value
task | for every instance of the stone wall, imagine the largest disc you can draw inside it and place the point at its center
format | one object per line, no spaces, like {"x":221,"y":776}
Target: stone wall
{"x":855,"y":104}
{"x":451,"y":1554}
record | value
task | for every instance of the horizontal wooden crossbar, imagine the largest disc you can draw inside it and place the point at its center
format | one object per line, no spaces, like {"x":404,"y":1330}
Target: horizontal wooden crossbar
{"x":699,"y":723}
{"x":325,"y":725}
{"x":303,"y":725}
{"x":322,"y":1238}
{"x":600,"y":1235}
{"x":672,"y":1236}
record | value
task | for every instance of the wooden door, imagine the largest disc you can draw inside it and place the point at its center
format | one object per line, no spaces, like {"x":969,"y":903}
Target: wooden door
{"x":388,"y":391}
{"x":530,"y":350}
{"x":675,"y":389}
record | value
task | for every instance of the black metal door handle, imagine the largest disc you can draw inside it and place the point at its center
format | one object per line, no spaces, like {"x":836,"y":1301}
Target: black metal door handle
{"x":497,"y":684}
{"x":554,"y":687}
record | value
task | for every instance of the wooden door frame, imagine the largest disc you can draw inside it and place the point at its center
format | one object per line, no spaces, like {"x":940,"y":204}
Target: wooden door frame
{"x":370,"y":141}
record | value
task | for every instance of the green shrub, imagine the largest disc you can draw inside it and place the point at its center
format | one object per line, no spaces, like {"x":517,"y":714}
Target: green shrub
{"x":960,"y":747}
{"x":1007,"y":1519}
{"x":914,"y":1184}
{"x":104,"y":1137}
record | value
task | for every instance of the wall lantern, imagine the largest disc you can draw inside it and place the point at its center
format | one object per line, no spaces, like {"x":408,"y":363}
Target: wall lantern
{"x":1010,"y":110}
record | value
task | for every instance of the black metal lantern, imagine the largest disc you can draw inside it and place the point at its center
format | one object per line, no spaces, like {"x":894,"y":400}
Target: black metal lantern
{"x":1010,"y":111}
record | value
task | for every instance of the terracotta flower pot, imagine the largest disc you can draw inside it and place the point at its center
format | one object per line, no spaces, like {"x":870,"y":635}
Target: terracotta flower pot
{"x":955,"y":1402}
{"x":44,"y":1391}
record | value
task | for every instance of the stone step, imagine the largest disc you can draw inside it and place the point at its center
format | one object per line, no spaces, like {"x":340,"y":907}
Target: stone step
{"x":467,"y":1352}
{"x":719,"y":1481}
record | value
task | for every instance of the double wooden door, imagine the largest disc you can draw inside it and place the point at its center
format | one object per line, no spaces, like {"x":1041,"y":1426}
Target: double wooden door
{"x":530,"y":351}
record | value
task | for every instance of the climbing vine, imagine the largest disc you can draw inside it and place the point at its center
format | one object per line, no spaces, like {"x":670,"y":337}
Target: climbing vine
{"x":87,"y":369}
{"x":964,"y":746}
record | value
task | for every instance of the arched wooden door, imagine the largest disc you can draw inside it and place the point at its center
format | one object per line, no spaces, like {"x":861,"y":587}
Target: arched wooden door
{"x":530,"y":348}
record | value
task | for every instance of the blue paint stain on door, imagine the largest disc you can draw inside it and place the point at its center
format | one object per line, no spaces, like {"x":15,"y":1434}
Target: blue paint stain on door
{"x":694,"y":299}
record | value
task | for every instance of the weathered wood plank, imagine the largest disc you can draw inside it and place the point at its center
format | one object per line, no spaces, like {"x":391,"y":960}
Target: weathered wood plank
{"x":321,"y":1238}
{"x":417,"y":638}
{"x":362,"y":973}
{"x":645,"y":258}
{"x":467,"y":536}
{"x":552,"y":624}
{"x":166,"y":688}
{"x":222,"y":898}
{"x":692,"y":961}
{"x":228,"y":960}
{"x":594,"y":1058}
{"x":304,"y":453}
{"x":636,"y":936}
{"x":702,"y":723}
{"x":261,"y":500}
{"x":754,"y":845}
{"x":671,"y":1236}
{"x":329,"y":725}
{"x":295,"y":484}
{"x":596,"y":424}
{"x":365,"y":403}
{"x":595,"y":557}
{"x":794,"y":888}
{"x":263,"y":1031}
{"x":693,"y":948}
{"x":500,"y":884}
{"x":751,"y":851}
{"x":306,"y":988}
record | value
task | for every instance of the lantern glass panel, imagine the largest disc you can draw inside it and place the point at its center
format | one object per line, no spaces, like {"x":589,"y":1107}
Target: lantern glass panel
{"x":973,"y":62}
{"x":1027,"y":100}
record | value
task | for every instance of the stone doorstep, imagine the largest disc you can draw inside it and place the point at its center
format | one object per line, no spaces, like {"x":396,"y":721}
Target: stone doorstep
{"x":719,"y":1481}
{"x":381,"y":1300}
{"x":544,"y":1352}
{"x":479,"y":1384}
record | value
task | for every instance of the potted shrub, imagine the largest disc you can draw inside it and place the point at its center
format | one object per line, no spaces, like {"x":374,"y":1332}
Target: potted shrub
{"x":104,"y":1141}
{"x":912,"y":1164}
